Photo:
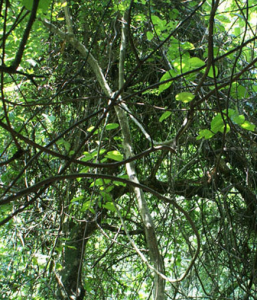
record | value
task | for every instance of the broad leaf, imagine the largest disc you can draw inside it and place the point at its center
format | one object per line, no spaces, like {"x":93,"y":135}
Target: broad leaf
{"x":115,"y":155}
{"x":238,"y":119}
{"x":185,"y":97}
{"x":110,"y":206}
{"x":217,"y":124}
{"x":248,"y":126}
{"x":149,"y":35}
{"x":211,"y":73}
{"x":205,"y":133}
{"x":164,"y":116}
{"x":196,"y":62}
{"x":165,"y":77}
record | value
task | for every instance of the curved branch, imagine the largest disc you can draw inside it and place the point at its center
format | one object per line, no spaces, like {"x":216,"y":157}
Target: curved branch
{"x":83,"y":163}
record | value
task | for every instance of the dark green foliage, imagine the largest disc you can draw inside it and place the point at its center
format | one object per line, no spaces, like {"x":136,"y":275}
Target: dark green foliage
{"x":190,"y":82}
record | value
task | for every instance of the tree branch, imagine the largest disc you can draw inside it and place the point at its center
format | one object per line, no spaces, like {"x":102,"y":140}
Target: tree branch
{"x":12,"y":69}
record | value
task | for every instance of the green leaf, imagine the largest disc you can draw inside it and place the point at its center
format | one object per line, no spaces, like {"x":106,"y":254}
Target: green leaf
{"x":185,"y":97}
{"x":64,"y":143}
{"x":237,"y":31}
{"x":230,"y":112}
{"x":64,"y":4}
{"x":165,"y":77}
{"x":43,"y":4}
{"x":106,"y":196}
{"x":164,"y":116}
{"x":187,"y":46}
{"x":71,"y":247}
{"x":111,"y":126}
{"x":238,"y":91}
{"x":115,"y":155}
{"x":119,"y":183}
{"x":6,"y":209}
{"x":87,"y":156}
{"x":205,"y":133}
{"x":110,"y":206}
{"x":238,"y":119}
{"x":217,"y":124}
{"x":87,"y":206}
{"x":211,"y":73}
{"x":58,"y":267}
{"x":196,"y":62}
{"x":149,"y":35}
{"x":248,"y":126}
{"x":77,"y":199}
{"x":224,"y":19}
{"x":109,"y":188}
{"x":91,"y":128}
{"x":151,"y":92}
{"x":157,"y":21}
{"x":84,"y":170}
{"x":100,"y":182}
{"x":174,"y":13}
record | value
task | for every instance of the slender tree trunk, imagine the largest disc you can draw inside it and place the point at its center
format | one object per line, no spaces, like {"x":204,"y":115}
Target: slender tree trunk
{"x":149,"y":228}
{"x":70,"y":274}
{"x":155,"y":256}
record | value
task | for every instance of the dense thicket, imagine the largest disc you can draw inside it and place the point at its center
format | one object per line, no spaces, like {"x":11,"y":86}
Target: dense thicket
{"x":128,"y":149}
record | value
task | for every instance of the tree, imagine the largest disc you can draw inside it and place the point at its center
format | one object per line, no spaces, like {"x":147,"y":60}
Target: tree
{"x":128,"y":150}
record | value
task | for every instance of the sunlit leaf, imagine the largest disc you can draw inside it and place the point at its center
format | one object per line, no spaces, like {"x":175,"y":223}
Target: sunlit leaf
{"x":238,"y":119}
{"x":164,"y":116}
{"x":185,"y":97}
{"x":211,"y":73}
{"x":157,"y":21}
{"x":84,"y":170}
{"x":58,"y":266}
{"x":87,"y":156}
{"x":196,"y":62}
{"x":205,"y":133}
{"x":110,"y":206}
{"x":248,"y":126}
{"x":187,"y":46}
{"x":77,"y":199}
{"x":111,"y":126}
{"x":165,"y":77}
{"x":115,"y":155}
{"x":217,"y":124}
{"x":71,"y":247}
{"x":140,"y":17}
{"x":100,"y":182}
{"x":230,"y":112}
{"x":149,"y":35}
{"x":88,"y":206}
{"x":91,"y":128}
{"x":119,"y":183}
